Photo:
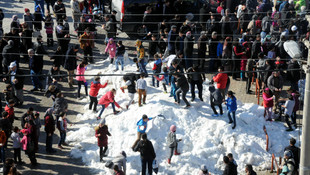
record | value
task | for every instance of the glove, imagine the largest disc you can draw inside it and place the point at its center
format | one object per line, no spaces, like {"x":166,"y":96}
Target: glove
{"x":122,"y":89}
{"x":85,"y":83}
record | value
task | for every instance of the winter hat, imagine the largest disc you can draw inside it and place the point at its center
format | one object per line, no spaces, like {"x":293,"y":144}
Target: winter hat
{"x":123,"y":153}
{"x":288,"y":154}
{"x":173,"y":128}
{"x":144,"y":116}
{"x":102,"y":121}
{"x":13,"y":64}
{"x":266,"y":89}
{"x":189,"y":33}
{"x":203,"y":168}
{"x":294,"y":28}
{"x":26,"y":10}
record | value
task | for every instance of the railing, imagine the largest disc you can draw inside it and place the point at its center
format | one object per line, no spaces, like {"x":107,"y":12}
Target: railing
{"x":257,"y":91}
{"x":274,"y":164}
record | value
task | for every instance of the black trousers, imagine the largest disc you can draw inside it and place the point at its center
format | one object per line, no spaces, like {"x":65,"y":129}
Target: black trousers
{"x":102,"y":151}
{"x":88,"y":54}
{"x":248,"y":82}
{"x":93,"y":101}
{"x":199,"y":86}
{"x":214,"y":110}
{"x":17,"y":155}
{"x":80,"y":83}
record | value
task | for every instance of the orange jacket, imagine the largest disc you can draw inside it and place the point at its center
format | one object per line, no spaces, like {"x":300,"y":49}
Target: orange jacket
{"x":84,"y":40}
{"x":221,"y":80}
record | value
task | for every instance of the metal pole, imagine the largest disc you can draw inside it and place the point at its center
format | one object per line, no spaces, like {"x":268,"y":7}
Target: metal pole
{"x":304,"y":166}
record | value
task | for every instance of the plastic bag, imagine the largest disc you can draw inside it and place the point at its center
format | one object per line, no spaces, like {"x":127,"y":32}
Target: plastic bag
{"x":155,"y":166}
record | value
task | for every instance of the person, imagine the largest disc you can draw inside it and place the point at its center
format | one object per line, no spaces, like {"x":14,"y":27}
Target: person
{"x":183,"y":87}
{"x":38,"y":18}
{"x":153,"y":45}
{"x":76,"y":13}
{"x":230,"y":168}
{"x":289,"y":106}
{"x":109,"y":27}
{"x":204,"y":170}
{"x":36,"y":66}
{"x":102,"y":134}
{"x":53,"y":77}
{"x":9,"y":108}
{"x":141,"y":128}
{"x":249,"y":67}
{"x":37,"y":126}
{"x":80,"y":70}
{"x":188,"y":50}
{"x":60,"y":10}
{"x":28,"y":19}
{"x":3,"y":139}
{"x":216,"y":99}
{"x":52,"y":92}
{"x":117,"y":171}
{"x":15,"y":78}
{"x":288,"y":165}
{"x":71,"y":63}
{"x":172,"y":35}
{"x":62,"y":123}
{"x":221,"y":80}
{"x":16,"y":145}
{"x":49,"y":127}
{"x":120,"y":161}
{"x":111,"y":48}
{"x":140,"y":57}
{"x":142,"y":89}
{"x":147,"y":154}
{"x":8,"y":164}
{"x":49,"y":29}
{"x":172,"y":142}
{"x":156,"y":68}
{"x":231,"y":159}
{"x":164,"y":78}
{"x":249,"y":170}
{"x":120,"y":51}
{"x":95,"y":86}
{"x":295,"y":151}
{"x":268,"y":104}
{"x":26,"y":117}
{"x":106,"y":100}
{"x":196,"y":78}
{"x":28,"y":146}
{"x":231,"y":103}
{"x":9,"y":94}
{"x":87,"y":44}
{"x":39,"y":3}
{"x":60,"y":105}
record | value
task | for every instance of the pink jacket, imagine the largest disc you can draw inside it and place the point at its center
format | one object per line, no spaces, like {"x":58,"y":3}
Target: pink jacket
{"x":107,"y":99}
{"x":24,"y":142}
{"x":80,"y":71}
{"x":111,"y":48}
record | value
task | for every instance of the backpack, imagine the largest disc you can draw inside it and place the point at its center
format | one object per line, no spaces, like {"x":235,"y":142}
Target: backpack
{"x":30,"y":145}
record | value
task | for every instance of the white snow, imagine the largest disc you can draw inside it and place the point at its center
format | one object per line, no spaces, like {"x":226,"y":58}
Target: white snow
{"x":205,"y":139}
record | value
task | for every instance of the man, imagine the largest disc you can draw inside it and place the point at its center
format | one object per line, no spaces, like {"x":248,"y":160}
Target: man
{"x":87,"y":44}
{"x":71,"y":63}
{"x":221,"y":80}
{"x":153,"y":45}
{"x":213,"y":42}
{"x":179,"y":42}
{"x":147,"y":19}
{"x":3,"y":43}
{"x":196,"y":78}
{"x":147,"y":153}
{"x":295,"y":151}
{"x":60,"y":10}
{"x":171,"y":39}
{"x":249,"y":67}
{"x":8,"y":55}
{"x":35,"y":66}
{"x":109,"y":28}
{"x":275,"y":84}
{"x":13,"y":77}
{"x":183,"y":88}
{"x":188,"y":50}
{"x":49,"y":124}
{"x":256,"y":47}
{"x":230,"y":167}
{"x":202,"y":48}
{"x":27,"y":117}
{"x":76,"y":13}
{"x":140,"y":58}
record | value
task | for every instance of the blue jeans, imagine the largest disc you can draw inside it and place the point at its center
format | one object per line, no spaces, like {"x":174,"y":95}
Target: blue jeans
{"x":233,"y":115}
{"x":153,"y":81}
{"x":62,"y":138}
{"x":149,"y":166}
{"x":2,"y":151}
{"x":119,"y":59}
{"x":35,"y":80}
{"x":103,"y":107}
{"x":142,"y":67}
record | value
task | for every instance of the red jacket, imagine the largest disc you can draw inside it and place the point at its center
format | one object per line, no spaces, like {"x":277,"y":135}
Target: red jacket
{"x":268,"y":100}
{"x":107,"y":99}
{"x":104,"y":133}
{"x":10,"y":110}
{"x":221,"y":80}
{"x":95,"y":87}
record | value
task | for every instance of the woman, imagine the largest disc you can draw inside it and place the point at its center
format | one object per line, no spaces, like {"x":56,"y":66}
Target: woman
{"x":106,"y":100}
{"x":236,"y":55}
{"x":80,"y":70}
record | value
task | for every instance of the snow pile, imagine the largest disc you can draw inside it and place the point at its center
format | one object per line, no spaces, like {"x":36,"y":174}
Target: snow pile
{"x":205,"y":139}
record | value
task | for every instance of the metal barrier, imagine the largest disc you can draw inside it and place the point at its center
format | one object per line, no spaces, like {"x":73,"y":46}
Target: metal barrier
{"x":274,"y":164}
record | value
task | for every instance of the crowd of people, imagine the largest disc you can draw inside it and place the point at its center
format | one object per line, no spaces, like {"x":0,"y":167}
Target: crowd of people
{"x":242,"y":39}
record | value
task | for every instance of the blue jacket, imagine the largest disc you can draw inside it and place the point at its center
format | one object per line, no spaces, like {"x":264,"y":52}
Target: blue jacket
{"x":231,"y":104}
{"x":142,"y":125}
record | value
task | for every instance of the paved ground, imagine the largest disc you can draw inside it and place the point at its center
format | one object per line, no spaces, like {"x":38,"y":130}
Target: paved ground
{"x":61,"y":162}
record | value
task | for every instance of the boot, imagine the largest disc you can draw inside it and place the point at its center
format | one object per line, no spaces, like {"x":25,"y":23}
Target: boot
{"x":169,"y":161}
{"x":176,"y":152}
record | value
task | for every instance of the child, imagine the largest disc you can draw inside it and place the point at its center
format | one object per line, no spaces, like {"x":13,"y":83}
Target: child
{"x":111,"y":48}
{"x":289,"y":106}
{"x":10,"y":109}
{"x":142,"y":86}
{"x":130,"y":84}
{"x":120,"y":51}
{"x":141,"y":128}
{"x":164,"y":77}
{"x":95,"y":86}
{"x":28,"y":146}
{"x":216,"y":99}
{"x":156,"y":68}
{"x":80,"y":70}
{"x":49,"y":28}
{"x":106,"y":100}
{"x":16,"y":145}
{"x":62,"y":127}
{"x":102,"y":134}
{"x":231,"y":103}
{"x":173,"y":142}
{"x":268,"y":103}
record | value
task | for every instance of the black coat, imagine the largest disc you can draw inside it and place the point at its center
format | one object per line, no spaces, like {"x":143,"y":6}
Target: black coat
{"x":20,"y":80}
{"x":26,"y":40}
{"x":152,"y":48}
{"x":36,"y":64}
{"x":188,"y":46}
{"x":230,"y":169}
{"x":70,"y":61}
{"x":182,"y":83}
{"x":146,"y":150}
{"x":256,"y":49}
{"x":8,"y":55}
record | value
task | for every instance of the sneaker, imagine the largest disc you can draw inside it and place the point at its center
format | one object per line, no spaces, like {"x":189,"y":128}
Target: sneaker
{"x":201,"y":99}
{"x":233,"y":127}
{"x":290,"y":129}
{"x":230,"y":122}
{"x":144,"y":103}
{"x":215,"y":115}
{"x":193,"y":99}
